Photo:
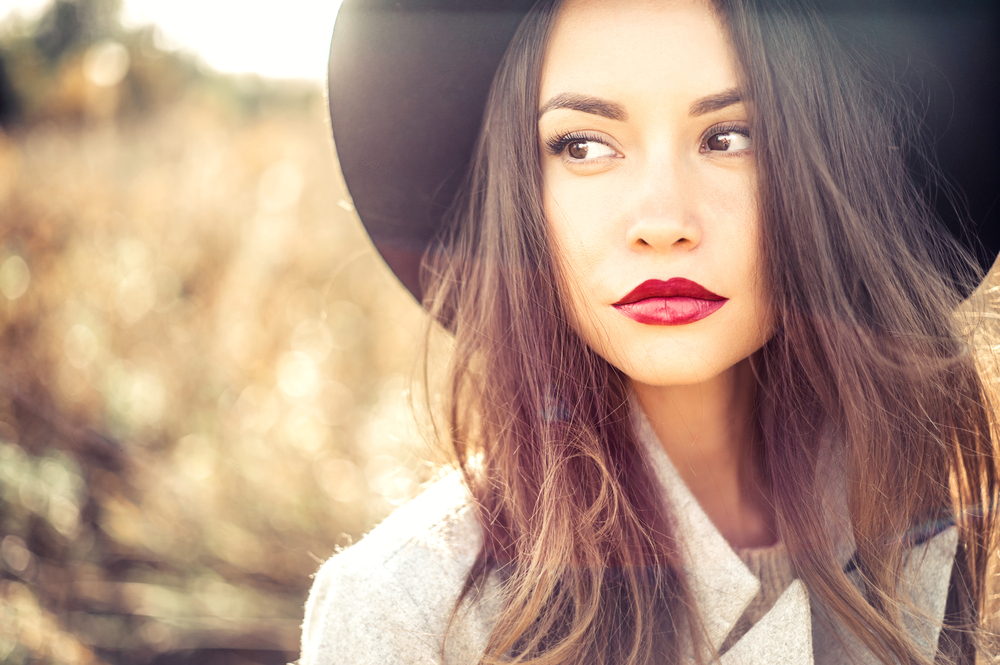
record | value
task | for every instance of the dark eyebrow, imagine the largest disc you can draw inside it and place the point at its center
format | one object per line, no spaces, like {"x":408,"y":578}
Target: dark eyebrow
{"x":586,"y":104}
{"x":715,"y":102}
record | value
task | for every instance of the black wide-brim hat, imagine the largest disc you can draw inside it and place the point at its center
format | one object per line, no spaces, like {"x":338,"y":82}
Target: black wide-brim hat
{"x":408,"y":83}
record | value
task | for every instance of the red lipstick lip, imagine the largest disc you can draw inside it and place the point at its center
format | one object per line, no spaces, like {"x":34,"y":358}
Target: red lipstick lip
{"x":677,"y":287}
{"x":675,"y":302}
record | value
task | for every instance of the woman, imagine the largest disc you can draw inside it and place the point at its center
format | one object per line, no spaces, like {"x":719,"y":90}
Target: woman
{"x":708,"y":395}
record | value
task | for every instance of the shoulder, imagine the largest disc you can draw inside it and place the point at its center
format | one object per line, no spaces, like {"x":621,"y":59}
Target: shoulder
{"x":388,"y":598}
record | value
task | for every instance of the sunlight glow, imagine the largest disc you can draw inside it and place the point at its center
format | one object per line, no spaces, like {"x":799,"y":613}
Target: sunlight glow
{"x":290,"y":39}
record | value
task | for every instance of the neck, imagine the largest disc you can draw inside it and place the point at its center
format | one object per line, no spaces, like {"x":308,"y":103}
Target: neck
{"x":709,"y":431}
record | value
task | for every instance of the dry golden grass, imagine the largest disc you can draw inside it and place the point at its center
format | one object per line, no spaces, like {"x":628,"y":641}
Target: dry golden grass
{"x":204,"y":382}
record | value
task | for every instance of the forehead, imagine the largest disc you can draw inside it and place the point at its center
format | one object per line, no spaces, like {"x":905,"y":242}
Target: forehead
{"x":654,"y":48}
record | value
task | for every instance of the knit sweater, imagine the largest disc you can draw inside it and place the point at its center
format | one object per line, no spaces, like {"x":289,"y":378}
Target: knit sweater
{"x":388,"y":599}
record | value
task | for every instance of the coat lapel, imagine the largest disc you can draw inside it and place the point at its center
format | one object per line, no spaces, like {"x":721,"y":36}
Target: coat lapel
{"x":721,"y":583}
{"x":926,"y":576}
{"x":783,"y":635}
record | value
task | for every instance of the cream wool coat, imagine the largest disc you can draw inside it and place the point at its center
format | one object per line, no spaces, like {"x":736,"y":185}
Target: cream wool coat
{"x":387,"y":599}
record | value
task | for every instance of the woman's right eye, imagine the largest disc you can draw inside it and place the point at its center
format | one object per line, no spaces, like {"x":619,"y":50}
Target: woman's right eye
{"x":580,"y":149}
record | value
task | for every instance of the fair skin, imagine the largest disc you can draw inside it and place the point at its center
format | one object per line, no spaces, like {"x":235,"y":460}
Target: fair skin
{"x":649,"y":175}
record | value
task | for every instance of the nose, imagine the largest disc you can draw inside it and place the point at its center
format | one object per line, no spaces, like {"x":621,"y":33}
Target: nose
{"x":663,"y":215}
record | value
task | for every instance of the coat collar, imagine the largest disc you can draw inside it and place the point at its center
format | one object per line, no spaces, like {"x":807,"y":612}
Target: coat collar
{"x":792,"y":631}
{"x":721,"y":583}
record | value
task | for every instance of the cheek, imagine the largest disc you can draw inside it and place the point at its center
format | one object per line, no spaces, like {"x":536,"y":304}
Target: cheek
{"x":580,"y":225}
{"x":734,"y":229}
{"x":573,"y":230}
{"x":736,"y":237}
{"x":568,"y":251}
{"x":728,"y":205}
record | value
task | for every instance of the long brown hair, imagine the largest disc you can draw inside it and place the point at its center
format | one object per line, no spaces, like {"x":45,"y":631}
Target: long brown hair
{"x":862,"y":285}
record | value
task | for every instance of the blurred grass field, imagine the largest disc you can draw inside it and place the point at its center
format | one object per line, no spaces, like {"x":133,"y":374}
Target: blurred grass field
{"x":204,"y":385}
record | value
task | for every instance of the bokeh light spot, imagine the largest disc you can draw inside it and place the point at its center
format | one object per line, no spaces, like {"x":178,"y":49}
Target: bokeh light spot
{"x":298,"y":376}
{"x":347,"y":324}
{"x":342,"y":480}
{"x":64,"y":515}
{"x":14,"y":277}
{"x":336,"y":403}
{"x":136,"y":295}
{"x":312,"y":338}
{"x":388,"y":477}
{"x":280,"y":186}
{"x":15,"y":554}
{"x":195,"y":456}
{"x":305,"y":431}
{"x":135,"y":395}
{"x":106,"y":63}
{"x":80,"y":346}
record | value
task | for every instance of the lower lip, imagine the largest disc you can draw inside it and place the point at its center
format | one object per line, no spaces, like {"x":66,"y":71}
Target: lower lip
{"x":670,"y":311}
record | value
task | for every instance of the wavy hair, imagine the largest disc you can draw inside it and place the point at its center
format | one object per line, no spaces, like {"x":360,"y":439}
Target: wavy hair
{"x":862,"y":282}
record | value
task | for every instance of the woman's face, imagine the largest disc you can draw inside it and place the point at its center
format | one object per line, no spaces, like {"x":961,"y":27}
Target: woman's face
{"x":649,"y":188}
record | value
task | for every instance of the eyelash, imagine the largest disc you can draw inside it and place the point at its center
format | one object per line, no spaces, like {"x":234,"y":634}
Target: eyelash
{"x":558,"y":144}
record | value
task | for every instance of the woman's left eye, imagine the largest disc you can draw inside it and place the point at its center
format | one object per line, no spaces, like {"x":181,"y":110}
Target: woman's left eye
{"x":730,"y":140}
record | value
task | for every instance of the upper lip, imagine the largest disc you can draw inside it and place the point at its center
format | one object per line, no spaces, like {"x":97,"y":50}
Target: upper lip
{"x":676,"y":287}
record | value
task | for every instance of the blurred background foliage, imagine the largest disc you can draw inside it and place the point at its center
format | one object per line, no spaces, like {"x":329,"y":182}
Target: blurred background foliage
{"x":205,"y":368}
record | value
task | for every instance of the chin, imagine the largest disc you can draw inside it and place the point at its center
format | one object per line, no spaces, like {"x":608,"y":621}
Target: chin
{"x":677,"y":356}
{"x":676,"y":372}
{"x":674,"y":362}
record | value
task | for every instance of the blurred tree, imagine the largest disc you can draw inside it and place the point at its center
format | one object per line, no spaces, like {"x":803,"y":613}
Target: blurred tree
{"x":10,"y":108}
{"x":69,"y":23}
{"x":76,"y":63}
